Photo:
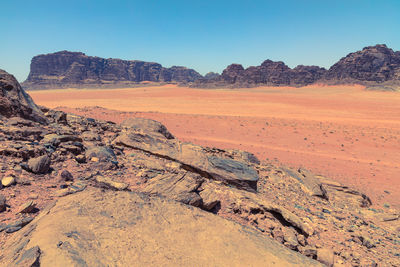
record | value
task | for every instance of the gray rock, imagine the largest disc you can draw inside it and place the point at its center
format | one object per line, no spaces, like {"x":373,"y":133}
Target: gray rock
{"x":39,"y":165}
{"x":66,"y":176}
{"x":102,"y":153}
{"x":14,"y":101}
{"x":147,"y":126}
{"x":3,"y":205}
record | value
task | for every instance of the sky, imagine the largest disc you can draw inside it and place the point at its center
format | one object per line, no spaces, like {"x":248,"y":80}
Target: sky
{"x":204,"y":35}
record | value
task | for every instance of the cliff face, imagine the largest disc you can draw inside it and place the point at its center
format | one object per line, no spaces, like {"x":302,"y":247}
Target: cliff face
{"x":273,"y":73}
{"x":63,"y":69}
{"x":14,"y":101}
{"x":372,"y":66}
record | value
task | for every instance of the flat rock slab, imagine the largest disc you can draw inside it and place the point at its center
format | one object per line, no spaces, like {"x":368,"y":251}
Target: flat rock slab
{"x":193,"y":158}
{"x":95,"y":228}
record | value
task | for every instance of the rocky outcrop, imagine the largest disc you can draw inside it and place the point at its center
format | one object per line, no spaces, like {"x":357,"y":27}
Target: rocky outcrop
{"x":15,"y":102}
{"x":143,"y":231}
{"x":372,"y":64}
{"x":63,"y":69}
{"x":154,"y":138}
{"x":270,"y":73}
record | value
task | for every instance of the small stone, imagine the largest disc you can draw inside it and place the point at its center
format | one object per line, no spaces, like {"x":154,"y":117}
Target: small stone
{"x":12,"y":229}
{"x":3,"y":204}
{"x":368,"y":243}
{"x":290,"y":238}
{"x":66,"y":176}
{"x":107,"y":181}
{"x":39,"y":165}
{"x":30,"y":257}
{"x":326,"y":256}
{"x":94,"y":159}
{"x":8,"y":181}
{"x":301,"y":239}
{"x":28,"y":207}
{"x":80,"y":158}
{"x":33,"y":196}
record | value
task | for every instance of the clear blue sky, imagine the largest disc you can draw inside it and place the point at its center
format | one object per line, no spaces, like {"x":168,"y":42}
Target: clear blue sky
{"x":206,"y":35}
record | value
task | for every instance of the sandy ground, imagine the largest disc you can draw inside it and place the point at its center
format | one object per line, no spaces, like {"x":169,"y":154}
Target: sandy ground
{"x":344,"y":132}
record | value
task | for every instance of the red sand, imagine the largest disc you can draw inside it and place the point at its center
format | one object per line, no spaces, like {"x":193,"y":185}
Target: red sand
{"x":343,"y":132}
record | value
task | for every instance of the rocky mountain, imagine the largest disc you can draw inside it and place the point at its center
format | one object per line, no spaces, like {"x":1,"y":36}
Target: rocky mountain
{"x":374,"y":65}
{"x":64,"y":69}
{"x":76,"y":191}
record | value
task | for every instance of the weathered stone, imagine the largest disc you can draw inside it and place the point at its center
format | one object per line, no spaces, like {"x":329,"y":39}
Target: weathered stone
{"x":107,"y":181}
{"x":90,"y":136}
{"x":326,"y":256}
{"x":65,"y":68}
{"x":56,"y":140}
{"x":30,"y":257}
{"x":80,"y":158}
{"x":170,"y":234}
{"x":180,"y":187}
{"x":309,"y":183}
{"x":8,"y":181}
{"x":65,"y":175}
{"x":27,"y":207}
{"x":14,"y":101}
{"x":192,"y":157}
{"x":39,"y":165}
{"x":3,"y":203}
{"x":102,"y":153}
{"x":147,"y":126}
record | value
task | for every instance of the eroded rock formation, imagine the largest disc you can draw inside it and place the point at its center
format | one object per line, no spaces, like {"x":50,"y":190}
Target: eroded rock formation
{"x":64,"y":69}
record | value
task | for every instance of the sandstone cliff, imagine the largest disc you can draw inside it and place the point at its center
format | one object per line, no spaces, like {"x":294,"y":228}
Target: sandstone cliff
{"x":372,"y":66}
{"x":66,"y":69}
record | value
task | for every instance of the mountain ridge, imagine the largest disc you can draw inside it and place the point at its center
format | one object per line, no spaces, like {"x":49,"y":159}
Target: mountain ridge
{"x":373,"y":66}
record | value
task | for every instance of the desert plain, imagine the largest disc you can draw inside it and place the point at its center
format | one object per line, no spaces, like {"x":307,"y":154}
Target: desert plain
{"x":344,"y":132}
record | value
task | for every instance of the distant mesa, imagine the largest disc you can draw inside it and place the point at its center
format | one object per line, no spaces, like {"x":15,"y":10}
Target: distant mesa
{"x":374,"y":66}
{"x":75,"y":69}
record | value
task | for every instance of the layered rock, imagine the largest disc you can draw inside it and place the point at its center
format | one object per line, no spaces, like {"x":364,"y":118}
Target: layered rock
{"x":15,"y":102}
{"x":95,"y":228}
{"x":372,"y":64}
{"x":63,"y":69}
{"x":272,"y":73}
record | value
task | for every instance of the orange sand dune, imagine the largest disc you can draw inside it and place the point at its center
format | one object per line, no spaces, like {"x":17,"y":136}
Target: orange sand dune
{"x":344,"y":132}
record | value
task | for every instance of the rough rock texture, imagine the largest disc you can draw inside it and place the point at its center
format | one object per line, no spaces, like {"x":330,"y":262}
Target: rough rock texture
{"x":95,"y":228}
{"x":157,"y":140}
{"x":217,"y":190}
{"x":15,"y":102}
{"x":268,"y":73}
{"x":372,"y":64}
{"x":64,"y":68}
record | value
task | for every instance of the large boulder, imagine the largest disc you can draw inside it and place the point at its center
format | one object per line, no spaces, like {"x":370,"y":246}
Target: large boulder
{"x":39,"y":165}
{"x":95,"y":228}
{"x":15,"y":102}
{"x":192,"y":157}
